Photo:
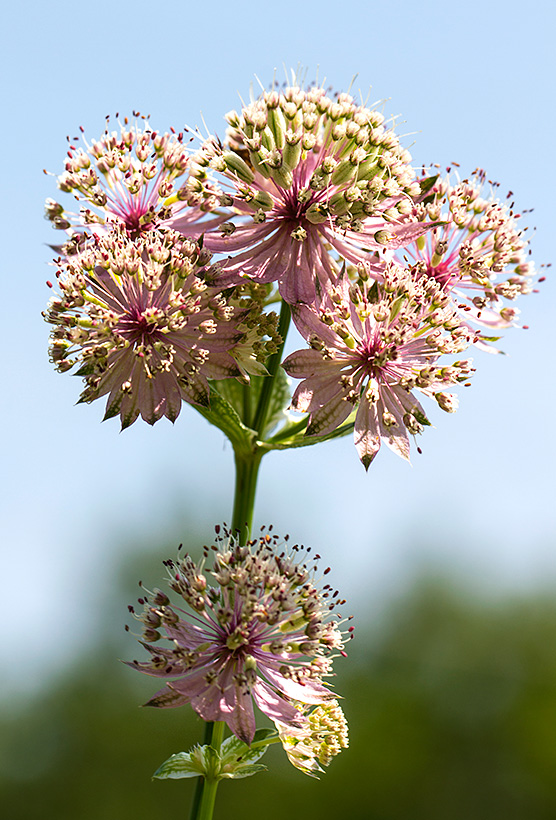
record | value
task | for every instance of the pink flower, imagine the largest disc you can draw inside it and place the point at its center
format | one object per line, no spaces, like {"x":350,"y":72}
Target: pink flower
{"x":372,"y":344}
{"x":260,"y":633}
{"x":313,"y":181}
{"x":477,"y":253}
{"x":145,"y":323}
{"x":134,"y":178}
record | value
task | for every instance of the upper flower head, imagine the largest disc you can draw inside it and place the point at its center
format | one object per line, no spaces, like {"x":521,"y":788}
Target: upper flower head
{"x":146,"y":323}
{"x":370,"y":348}
{"x":133,"y":178}
{"x":312,"y":179}
{"x":261,"y":631}
{"x":478,"y":253}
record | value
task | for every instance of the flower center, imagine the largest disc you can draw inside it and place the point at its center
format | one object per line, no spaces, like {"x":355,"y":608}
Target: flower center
{"x":140,"y":326}
{"x":374,"y":354}
{"x":441,"y":273}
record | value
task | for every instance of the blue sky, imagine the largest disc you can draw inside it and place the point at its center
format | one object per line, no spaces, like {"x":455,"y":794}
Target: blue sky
{"x":471,"y":84}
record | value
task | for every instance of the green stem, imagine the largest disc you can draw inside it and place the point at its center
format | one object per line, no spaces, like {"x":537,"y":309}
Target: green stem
{"x":247,"y":471}
{"x":200,"y":781}
{"x":206,"y":807}
{"x":272,"y":367}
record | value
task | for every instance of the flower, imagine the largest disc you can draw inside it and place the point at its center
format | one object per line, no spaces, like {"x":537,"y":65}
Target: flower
{"x":322,"y":736}
{"x":477,"y":253}
{"x":130,"y":178}
{"x":145,"y":322}
{"x":260,"y":632}
{"x":372,"y":344}
{"x":312,"y":179}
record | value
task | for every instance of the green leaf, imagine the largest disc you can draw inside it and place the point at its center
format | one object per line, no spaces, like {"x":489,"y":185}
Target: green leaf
{"x":279,"y":400}
{"x":178,"y":766}
{"x":224,"y":416}
{"x":263,"y":734}
{"x":235,"y":393}
{"x":307,"y":441}
{"x":235,"y":752}
{"x":244,"y":771}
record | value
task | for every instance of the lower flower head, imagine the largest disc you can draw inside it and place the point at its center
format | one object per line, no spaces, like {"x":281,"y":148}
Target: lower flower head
{"x":256,"y":630}
{"x":144,"y":323}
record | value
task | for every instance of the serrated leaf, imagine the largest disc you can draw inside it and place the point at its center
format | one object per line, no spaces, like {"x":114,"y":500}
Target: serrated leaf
{"x":223,"y":415}
{"x":178,"y":766}
{"x":234,"y":392}
{"x":263,"y":734}
{"x":212,"y":760}
{"x":244,"y":771}
{"x":308,"y":441}
{"x":279,"y":400}
{"x":235,"y":752}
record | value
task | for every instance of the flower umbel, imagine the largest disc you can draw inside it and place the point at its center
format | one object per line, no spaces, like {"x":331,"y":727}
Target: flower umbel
{"x":369,"y":350}
{"x":145,"y":323}
{"x":477,"y":253}
{"x":132,"y":178}
{"x":322,"y":736}
{"x":312,"y":179}
{"x":260,"y":632}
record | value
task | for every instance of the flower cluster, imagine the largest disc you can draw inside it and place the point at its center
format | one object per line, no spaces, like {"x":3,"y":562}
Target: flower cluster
{"x":323,"y":735}
{"x":477,"y":253}
{"x":310,"y":201}
{"x":131,"y":178}
{"x":257,"y":629}
{"x":145,"y":322}
{"x":371,"y":345}
{"x":312,"y":180}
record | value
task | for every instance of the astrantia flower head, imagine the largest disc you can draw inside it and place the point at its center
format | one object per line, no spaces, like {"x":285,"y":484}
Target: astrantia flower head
{"x":255,"y":629}
{"x":311,"y":179}
{"x":478,"y":253}
{"x":144,"y":322}
{"x":370,"y":350}
{"x":323,"y":735}
{"x":133,"y":177}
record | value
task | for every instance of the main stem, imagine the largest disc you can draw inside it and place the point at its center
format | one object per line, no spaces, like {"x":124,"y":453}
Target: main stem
{"x":210,"y":784}
{"x":247,"y":471}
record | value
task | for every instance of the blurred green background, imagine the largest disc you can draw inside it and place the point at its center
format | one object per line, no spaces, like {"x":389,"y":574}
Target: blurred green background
{"x":451,"y":701}
{"x":449,"y":565}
